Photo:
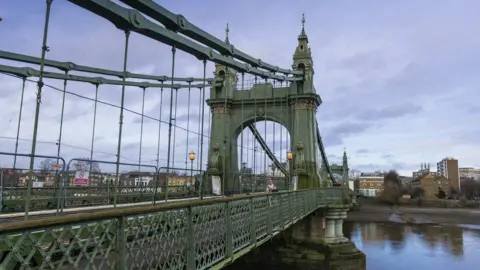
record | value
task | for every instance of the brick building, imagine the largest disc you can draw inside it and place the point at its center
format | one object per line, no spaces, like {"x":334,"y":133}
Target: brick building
{"x":370,"y":184}
{"x":431,"y":182}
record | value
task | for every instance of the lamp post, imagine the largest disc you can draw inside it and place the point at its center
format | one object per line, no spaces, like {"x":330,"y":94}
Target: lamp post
{"x":289,"y":158}
{"x":191,"y":156}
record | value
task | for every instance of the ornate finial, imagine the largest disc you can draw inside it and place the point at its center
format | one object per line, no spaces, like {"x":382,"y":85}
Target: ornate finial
{"x":227,"y":30}
{"x":303,"y":25}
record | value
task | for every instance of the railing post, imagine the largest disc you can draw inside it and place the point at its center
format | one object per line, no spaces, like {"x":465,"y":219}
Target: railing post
{"x":269,"y":215}
{"x":120,"y":245}
{"x":166,"y":188}
{"x":190,"y":240}
{"x":253,"y":226}
{"x":229,"y":234}
{"x":290,"y":207}
{"x":280,"y":212}
{"x":155,"y":186}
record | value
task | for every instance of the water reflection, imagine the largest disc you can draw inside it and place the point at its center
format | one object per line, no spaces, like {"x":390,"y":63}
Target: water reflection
{"x":415,"y":247}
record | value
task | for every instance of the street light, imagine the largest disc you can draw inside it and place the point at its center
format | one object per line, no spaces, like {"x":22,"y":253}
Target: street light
{"x":289,"y":155}
{"x":289,"y":158}
{"x":192,"y":156}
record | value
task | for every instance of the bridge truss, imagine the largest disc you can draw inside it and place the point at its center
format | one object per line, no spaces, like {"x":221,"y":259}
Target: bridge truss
{"x":114,"y":184}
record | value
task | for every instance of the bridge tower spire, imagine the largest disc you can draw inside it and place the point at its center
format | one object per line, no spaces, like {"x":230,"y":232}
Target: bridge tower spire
{"x":305,"y":102}
{"x":345,"y":177}
{"x":225,"y":78}
{"x":302,"y":59}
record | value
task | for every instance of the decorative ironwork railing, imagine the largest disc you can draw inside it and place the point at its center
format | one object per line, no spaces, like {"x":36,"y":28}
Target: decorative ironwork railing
{"x":185,"y":235}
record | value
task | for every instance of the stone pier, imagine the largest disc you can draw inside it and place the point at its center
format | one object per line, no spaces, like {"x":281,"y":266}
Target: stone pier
{"x":316,"y":242}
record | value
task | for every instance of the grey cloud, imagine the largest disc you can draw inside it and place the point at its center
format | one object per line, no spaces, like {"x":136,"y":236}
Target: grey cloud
{"x":387,"y":156}
{"x":335,"y":135}
{"x":381,"y":167}
{"x":371,"y":66}
{"x":392,"y":111}
{"x":361,"y":62}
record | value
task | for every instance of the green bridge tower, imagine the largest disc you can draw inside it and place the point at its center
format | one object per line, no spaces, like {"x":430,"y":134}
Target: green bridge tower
{"x":294,"y":107}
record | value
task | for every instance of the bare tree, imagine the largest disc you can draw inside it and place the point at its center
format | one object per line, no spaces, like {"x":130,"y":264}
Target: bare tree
{"x":392,"y":188}
{"x":353,"y":174}
{"x":453,"y":193}
{"x":470,"y":188}
{"x":46,"y":166}
{"x":83,"y":164}
{"x":419,"y":194}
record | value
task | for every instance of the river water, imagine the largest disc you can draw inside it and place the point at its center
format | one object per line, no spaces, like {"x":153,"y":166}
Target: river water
{"x":423,"y":247}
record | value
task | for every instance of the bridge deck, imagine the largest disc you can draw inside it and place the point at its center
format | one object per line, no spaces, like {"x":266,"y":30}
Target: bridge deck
{"x":202,"y":234}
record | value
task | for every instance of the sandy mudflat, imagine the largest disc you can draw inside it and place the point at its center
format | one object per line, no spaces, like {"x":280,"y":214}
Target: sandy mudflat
{"x":381,"y":213}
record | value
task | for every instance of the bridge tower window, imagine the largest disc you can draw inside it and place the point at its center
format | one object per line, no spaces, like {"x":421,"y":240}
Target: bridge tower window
{"x":301,"y":66}
{"x":221,"y":74}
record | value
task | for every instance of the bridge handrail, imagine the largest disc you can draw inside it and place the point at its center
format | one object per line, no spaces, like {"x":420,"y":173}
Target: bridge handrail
{"x":141,"y":210}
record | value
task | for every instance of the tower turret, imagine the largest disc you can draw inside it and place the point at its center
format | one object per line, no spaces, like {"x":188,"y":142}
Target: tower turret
{"x":302,"y":60}
{"x":225,"y":79}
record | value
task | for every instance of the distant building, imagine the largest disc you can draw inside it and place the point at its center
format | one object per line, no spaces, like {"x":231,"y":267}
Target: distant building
{"x":274,"y":171}
{"x":370,"y":184}
{"x":469,"y":173}
{"x":431,"y":183}
{"x":448,"y":168}
{"x":424,"y":169}
{"x":405,"y":180}
{"x":467,"y":170}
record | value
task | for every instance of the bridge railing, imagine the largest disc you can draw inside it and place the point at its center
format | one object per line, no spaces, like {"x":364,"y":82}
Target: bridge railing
{"x":14,"y":177}
{"x":182,"y":235}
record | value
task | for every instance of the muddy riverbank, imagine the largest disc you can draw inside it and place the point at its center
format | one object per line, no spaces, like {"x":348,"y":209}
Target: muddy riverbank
{"x":415,"y":215}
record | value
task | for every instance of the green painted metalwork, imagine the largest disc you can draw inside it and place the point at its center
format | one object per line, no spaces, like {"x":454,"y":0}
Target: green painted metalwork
{"x":69,"y":66}
{"x":179,"y":23}
{"x":30,"y":72}
{"x":133,"y":20}
{"x":233,"y":110}
{"x":267,"y":150}
{"x":37,"y":105}
{"x":203,"y":234}
{"x":46,"y":198}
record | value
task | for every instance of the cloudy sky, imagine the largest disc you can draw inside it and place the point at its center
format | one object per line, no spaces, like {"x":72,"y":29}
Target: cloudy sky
{"x":399,"y":80}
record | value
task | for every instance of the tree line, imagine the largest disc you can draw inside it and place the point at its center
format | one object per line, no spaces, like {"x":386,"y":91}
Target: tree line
{"x":394,"y":189}
{"x":46,"y":166}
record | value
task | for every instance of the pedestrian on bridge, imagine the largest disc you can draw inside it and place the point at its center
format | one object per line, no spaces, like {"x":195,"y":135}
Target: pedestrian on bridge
{"x":271,"y":187}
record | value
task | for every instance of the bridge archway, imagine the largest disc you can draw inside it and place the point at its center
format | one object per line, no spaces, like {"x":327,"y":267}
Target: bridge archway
{"x":232,"y":109}
{"x":265,"y":158}
{"x":293,"y":106}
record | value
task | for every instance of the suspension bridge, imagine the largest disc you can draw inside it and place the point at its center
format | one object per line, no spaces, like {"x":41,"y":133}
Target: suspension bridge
{"x":202,"y":201}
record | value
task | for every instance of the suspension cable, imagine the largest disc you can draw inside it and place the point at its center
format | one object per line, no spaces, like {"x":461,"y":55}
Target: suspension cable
{"x":188,"y":128}
{"x":265,"y":132}
{"x":171,"y":108}
{"x":45,"y":49}
{"x":94,"y":122}
{"x":19,"y":123}
{"x":199,"y":119}
{"x":241,"y":128}
{"x":117,"y":170}
{"x":141,"y":129}
{"x":159,"y":127}
{"x":175,"y":128}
